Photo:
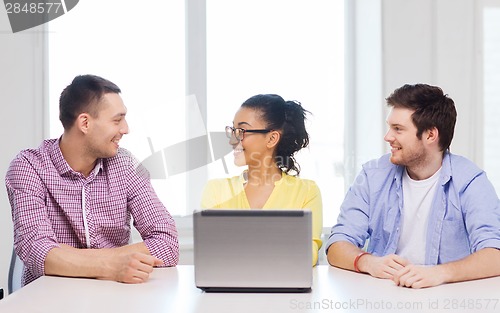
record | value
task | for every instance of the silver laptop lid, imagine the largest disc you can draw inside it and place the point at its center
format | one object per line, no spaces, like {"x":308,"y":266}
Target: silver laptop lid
{"x":253,"y":249}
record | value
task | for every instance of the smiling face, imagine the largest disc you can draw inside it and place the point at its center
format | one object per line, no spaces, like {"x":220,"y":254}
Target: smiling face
{"x":406,"y":148}
{"x":107,"y":128}
{"x":253,"y":148}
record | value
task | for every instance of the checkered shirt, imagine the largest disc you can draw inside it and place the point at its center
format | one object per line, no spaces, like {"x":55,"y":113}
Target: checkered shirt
{"x":45,"y":195}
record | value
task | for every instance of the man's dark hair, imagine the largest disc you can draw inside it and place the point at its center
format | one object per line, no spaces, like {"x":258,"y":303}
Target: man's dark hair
{"x":83,"y":96}
{"x":432,"y":109}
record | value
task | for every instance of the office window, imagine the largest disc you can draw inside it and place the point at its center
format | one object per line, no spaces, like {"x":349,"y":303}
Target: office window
{"x":491,"y":92}
{"x":144,"y":54}
{"x":292,"y":48}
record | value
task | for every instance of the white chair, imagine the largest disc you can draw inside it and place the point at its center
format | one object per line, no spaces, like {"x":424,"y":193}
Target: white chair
{"x":15,"y":272}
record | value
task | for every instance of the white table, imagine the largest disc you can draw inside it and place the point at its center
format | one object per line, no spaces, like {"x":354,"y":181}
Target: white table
{"x":173,"y":290}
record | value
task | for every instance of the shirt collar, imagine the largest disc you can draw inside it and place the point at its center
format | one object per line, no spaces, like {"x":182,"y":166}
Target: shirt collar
{"x":60,"y":163}
{"x":445,"y":174}
{"x":446,"y":168}
{"x":57,"y":158}
{"x":243,"y":178}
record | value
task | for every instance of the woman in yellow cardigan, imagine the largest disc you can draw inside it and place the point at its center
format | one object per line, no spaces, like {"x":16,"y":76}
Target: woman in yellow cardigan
{"x":266,"y":133}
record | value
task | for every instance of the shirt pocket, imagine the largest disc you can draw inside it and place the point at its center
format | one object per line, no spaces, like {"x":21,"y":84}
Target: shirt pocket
{"x":454,"y":243}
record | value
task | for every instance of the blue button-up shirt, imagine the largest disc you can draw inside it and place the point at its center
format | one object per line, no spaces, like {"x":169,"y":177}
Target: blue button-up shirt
{"x":464,"y":218}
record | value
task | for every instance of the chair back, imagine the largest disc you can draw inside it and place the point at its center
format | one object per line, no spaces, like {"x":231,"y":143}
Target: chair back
{"x":15,"y":272}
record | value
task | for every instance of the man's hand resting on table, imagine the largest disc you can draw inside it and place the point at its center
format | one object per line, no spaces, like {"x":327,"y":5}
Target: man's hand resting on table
{"x":127,"y":264}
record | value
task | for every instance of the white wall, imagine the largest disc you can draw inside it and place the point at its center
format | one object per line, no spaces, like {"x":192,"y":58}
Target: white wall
{"x":21,"y":117}
{"x":429,"y":41}
{"x":433,"y":41}
{"x":363,"y":94}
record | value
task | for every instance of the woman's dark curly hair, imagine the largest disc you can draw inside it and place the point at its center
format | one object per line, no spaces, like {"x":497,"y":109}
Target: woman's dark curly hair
{"x":288,"y":117}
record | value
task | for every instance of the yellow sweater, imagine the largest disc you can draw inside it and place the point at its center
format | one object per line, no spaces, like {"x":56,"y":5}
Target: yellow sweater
{"x":289,"y":192}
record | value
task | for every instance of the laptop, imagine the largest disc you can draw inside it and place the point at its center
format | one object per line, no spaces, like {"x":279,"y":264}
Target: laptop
{"x":253,"y":250}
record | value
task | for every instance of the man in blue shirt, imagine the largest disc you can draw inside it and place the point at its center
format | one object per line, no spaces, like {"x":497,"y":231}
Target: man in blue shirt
{"x":428,"y":217}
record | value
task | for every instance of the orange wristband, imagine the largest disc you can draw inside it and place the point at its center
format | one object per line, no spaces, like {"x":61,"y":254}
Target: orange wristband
{"x":357,"y":259}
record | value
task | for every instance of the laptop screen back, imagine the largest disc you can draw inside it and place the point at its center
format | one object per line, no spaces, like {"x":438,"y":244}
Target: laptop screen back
{"x":253,"y":249}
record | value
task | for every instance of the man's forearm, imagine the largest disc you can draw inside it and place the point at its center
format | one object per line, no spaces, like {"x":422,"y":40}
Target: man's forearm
{"x":481,"y":264}
{"x":90,"y":263}
{"x":342,"y":254}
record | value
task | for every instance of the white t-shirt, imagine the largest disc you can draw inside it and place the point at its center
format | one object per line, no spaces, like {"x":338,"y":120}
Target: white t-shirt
{"x":417,"y":201}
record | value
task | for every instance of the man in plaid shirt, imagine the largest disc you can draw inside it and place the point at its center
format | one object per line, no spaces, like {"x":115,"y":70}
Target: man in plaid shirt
{"x":73,"y":198}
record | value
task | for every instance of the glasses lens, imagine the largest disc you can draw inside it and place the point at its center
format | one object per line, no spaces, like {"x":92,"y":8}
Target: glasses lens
{"x":229,"y":131}
{"x":236,"y":133}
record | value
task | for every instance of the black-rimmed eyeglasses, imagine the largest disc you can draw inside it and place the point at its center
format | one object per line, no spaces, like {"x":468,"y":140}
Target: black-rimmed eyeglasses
{"x":239,"y":133}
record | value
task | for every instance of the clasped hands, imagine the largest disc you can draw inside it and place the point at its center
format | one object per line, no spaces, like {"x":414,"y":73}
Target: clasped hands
{"x":401,"y":271}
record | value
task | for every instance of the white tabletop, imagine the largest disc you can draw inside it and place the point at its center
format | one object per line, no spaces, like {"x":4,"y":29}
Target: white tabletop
{"x":173,"y":290}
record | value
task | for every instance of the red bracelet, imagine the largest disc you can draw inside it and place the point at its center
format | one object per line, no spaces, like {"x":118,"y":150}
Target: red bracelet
{"x":357,"y":259}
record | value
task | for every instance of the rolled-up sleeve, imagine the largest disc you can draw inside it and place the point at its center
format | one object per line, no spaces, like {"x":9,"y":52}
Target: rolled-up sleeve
{"x":353,"y":221}
{"x":152,"y":219}
{"x":482,"y":213}
{"x":33,"y":233}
